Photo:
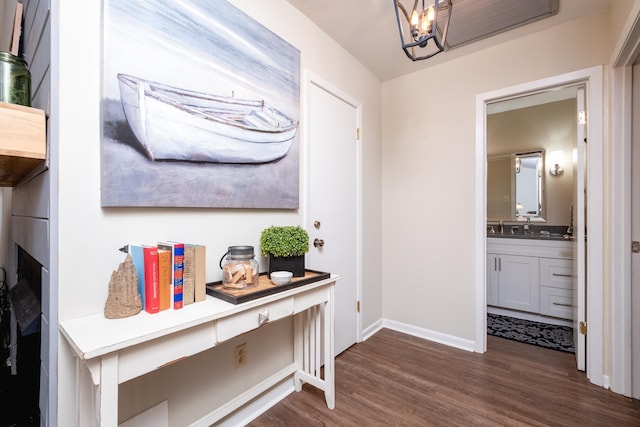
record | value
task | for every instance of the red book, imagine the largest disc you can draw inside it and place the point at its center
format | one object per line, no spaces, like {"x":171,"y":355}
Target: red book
{"x":151,"y":279}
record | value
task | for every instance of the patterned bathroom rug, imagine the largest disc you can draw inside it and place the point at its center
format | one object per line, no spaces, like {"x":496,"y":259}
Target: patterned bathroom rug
{"x":530,"y":332}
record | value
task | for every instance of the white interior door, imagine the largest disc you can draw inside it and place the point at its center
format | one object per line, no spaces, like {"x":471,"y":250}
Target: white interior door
{"x":635,"y":236}
{"x":332,"y":192}
{"x":579,"y":233}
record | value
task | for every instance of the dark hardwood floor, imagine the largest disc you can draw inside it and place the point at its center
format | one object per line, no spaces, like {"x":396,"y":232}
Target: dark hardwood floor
{"x":394,"y":379}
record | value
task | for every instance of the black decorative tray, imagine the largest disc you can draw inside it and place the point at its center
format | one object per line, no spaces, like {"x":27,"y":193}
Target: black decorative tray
{"x":265,"y":287}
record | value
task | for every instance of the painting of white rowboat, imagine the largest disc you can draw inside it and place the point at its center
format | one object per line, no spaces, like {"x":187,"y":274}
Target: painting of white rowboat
{"x":177,"y":124}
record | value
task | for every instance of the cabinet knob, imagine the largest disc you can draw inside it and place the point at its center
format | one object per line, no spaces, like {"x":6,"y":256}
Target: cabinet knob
{"x":263,"y":317}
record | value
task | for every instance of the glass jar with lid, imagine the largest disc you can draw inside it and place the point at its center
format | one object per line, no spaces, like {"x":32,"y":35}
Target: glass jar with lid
{"x":239,"y":268}
{"x":15,"y":80}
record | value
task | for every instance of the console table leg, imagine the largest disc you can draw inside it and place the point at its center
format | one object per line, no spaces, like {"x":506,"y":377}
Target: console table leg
{"x":313,"y":332}
{"x":329,"y":351}
{"x":108,"y":389}
{"x":298,"y":347}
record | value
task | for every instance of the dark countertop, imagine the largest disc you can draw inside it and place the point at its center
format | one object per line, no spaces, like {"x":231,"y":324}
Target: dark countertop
{"x":538,"y":232}
{"x":535,"y":235}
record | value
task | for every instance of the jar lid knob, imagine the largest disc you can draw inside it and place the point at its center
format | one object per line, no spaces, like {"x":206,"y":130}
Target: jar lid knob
{"x":237,"y":250}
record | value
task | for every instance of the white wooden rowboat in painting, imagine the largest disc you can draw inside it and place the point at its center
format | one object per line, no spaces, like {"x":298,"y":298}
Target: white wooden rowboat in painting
{"x":179,"y":124}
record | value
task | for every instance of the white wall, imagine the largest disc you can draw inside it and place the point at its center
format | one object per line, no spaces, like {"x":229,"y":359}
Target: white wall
{"x":89,"y":235}
{"x":429,"y":168}
{"x":7,"y":14}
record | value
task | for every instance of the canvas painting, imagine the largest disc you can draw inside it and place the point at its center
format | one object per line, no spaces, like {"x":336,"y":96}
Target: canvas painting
{"x":200,"y":108}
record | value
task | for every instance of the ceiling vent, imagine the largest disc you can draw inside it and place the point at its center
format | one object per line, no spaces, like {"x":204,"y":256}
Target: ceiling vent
{"x":478,"y":19}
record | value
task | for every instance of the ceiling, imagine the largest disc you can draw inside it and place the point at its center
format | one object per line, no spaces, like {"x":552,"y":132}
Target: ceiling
{"x":370,"y":33}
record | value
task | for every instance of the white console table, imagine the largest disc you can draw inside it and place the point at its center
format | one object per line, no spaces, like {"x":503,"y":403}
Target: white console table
{"x":118,"y":350}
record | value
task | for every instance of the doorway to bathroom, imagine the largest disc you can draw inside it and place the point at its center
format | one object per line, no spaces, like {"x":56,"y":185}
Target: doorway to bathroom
{"x":532,"y":185}
{"x":544,"y":275}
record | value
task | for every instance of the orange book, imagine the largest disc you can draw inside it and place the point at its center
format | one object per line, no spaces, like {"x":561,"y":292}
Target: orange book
{"x":164,"y":278}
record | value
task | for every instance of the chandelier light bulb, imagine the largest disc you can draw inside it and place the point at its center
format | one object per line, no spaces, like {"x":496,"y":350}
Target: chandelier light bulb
{"x":414,"y":18}
{"x":431,"y":14}
{"x":425,"y":26}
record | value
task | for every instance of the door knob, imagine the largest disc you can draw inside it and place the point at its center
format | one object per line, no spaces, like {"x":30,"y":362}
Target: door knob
{"x":318,"y":243}
{"x":316,"y":224}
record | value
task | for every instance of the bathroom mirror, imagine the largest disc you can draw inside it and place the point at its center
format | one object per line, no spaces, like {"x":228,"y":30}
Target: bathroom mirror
{"x":515,"y":186}
{"x":544,"y":122}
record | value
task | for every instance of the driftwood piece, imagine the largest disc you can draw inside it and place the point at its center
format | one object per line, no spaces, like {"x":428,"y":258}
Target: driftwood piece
{"x":124,"y":299}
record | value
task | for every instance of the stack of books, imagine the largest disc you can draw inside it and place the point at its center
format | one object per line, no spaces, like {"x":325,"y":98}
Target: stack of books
{"x":170,"y":274}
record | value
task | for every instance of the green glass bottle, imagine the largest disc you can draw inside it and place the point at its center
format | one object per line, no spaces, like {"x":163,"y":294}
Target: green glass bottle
{"x":15,"y":80}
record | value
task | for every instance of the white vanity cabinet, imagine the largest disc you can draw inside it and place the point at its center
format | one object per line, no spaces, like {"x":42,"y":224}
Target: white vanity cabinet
{"x":516,"y":279}
{"x":556,"y":287}
{"x":493,"y":279}
{"x":530,"y":275}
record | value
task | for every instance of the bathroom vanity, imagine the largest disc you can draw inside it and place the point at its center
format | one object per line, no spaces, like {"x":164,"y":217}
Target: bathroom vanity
{"x":530,"y":276}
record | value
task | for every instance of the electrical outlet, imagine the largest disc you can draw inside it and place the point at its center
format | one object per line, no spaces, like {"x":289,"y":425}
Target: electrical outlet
{"x":241,"y":355}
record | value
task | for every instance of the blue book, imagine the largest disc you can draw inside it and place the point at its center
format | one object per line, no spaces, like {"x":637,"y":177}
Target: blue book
{"x":178,"y":275}
{"x":137,"y":256}
{"x":177,"y":272}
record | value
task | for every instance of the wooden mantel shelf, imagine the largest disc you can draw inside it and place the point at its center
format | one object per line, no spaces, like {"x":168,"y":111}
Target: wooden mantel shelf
{"x":23,"y":142}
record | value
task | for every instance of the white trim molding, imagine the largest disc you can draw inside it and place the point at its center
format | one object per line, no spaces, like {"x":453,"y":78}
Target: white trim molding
{"x":430,"y":335}
{"x":627,"y":49}
{"x":372,"y":330}
{"x":620,"y":230}
{"x":592,"y":78}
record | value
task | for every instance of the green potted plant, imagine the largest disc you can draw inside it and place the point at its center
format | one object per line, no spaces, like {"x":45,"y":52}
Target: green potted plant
{"x":285,"y":247}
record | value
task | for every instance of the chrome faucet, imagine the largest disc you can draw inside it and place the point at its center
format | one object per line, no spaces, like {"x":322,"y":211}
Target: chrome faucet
{"x":501,"y":226}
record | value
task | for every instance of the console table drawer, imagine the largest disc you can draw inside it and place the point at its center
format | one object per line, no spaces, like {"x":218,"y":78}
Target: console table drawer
{"x":151,"y":355}
{"x":246,"y":321}
{"x":557,"y":273}
{"x":556,"y":302}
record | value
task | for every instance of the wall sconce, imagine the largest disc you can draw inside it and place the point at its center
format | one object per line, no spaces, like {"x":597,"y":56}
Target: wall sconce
{"x":421,"y":24}
{"x":555,"y":160}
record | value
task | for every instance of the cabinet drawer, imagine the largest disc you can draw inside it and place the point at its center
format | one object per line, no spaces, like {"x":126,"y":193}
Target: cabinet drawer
{"x":556,"y":302}
{"x":556,"y":273}
{"x":229,"y":327}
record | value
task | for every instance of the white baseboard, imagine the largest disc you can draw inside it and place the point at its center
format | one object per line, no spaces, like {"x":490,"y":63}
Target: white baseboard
{"x":371,"y":330}
{"x":430,"y":335}
{"x":258,"y":406}
{"x":157,"y":416}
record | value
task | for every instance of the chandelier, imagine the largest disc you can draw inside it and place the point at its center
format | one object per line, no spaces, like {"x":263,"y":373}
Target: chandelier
{"x":422,"y":24}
